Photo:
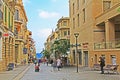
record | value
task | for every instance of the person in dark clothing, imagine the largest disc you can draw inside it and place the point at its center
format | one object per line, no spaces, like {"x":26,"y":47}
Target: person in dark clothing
{"x":102,"y":64}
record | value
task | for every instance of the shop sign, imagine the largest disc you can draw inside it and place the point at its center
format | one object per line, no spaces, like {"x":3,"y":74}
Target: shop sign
{"x":85,"y":45}
{"x":5,"y":34}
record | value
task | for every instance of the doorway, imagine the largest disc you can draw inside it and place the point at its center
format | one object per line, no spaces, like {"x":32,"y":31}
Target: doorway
{"x":85,"y":58}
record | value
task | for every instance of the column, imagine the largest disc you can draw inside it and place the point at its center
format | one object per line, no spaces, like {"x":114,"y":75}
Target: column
{"x":109,"y":33}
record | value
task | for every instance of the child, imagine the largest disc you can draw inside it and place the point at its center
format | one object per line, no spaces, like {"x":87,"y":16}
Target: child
{"x":36,"y":68}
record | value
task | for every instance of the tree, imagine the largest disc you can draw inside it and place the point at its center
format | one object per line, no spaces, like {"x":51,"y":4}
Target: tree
{"x":62,"y":46}
{"x":46,"y":54}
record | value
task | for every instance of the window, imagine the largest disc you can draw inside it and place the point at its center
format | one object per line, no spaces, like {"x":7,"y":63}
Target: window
{"x":77,"y":4}
{"x":16,"y":31}
{"x":73,"y":8}
{"x":95,"y":58}
{"x":0,"y":45}
{"x":16,"y":14}
{"x":73,"y":22}
{"x":65,"y":33}
{"x":83,"y":15}
{"x":1,"y":15}
{"x":64,"y":23}
{"x":68,"y":32}
{"x":113,"y":59}
{"x":5,"y":14}
{"x":16,"y":1}
{"x":78,"y":20}
{"x":106,"y":5}
{"x":9,"y":21}
{"x":83,"y":1}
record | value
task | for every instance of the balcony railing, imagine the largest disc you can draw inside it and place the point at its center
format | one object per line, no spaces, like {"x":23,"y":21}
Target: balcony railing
{"x":107,"y":45}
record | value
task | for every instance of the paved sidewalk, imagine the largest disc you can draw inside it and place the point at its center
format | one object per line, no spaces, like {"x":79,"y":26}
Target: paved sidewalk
{"x":46,"y":73}
{"x":66,"y":73}
{"x":14,"y":74}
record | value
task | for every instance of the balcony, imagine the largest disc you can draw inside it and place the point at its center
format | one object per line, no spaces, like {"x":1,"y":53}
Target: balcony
{"x":107,"y":45}
{"x":17,"y":20}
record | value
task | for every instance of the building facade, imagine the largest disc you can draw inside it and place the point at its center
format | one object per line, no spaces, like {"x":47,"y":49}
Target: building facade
{"x":7,"y":39}
{"x":56,"y":39}
{"x":97,"y":22}
{"x":16,"y":43}
{"x":20,"y":19}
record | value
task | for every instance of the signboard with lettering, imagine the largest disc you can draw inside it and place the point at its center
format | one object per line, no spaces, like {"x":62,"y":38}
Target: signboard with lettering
{"x":5,"y":34}
{"x":85,"y":45}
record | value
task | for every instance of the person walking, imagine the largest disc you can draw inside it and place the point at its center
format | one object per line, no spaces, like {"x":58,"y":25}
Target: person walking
{"x":58,"y":64}
{"x":102,"y":64}
{"x":35,"y":62}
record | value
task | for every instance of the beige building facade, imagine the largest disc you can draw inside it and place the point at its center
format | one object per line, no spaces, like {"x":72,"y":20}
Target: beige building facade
{"x":97,"y":22}
{"x":7,"y":39}
{"x":62,"y":32}
{"x":21,"y":53}
{"x":16,"y":43}
{"x":63,"y":28}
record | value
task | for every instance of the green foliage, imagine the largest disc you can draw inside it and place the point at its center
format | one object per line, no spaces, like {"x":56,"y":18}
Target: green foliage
{"x":46,"y":53}
{"x":62,"y":46}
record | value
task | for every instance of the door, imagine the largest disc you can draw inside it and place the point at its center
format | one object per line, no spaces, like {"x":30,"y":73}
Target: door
{"x":86,"y":58}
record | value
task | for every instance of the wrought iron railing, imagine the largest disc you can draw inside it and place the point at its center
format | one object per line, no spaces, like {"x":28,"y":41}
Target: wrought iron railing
{"x":107,"y":45}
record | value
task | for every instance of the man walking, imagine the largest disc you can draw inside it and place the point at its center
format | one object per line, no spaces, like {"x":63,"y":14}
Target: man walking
{"x":102,"y":64}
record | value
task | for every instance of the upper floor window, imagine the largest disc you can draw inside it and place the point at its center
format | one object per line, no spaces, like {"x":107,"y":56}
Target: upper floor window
{"x":1,"y":15}
{"x":106,"y":5}
{"x":0,"y":45}
{"x":68,"y":32}
{"x":73,"y":8}
{"x":5,"y":14}
{"x":16,"y":14}
{"x":64,"y":23}
{"x":65,"y":33}
{"x":77,"y":4}
{"x":73,"y":22}
{"x":78,"y":20}
{"x":16,"y":0}
{"x":16,"y":31}
{"x":83,"y":1}
{"x":83,"y":15}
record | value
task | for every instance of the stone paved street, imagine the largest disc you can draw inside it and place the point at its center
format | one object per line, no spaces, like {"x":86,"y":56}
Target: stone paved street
{"x":11,"y":75}
{"x":66,"y":73}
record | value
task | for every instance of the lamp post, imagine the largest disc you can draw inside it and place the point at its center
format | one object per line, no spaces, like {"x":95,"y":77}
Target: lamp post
{"x":76,"y":36}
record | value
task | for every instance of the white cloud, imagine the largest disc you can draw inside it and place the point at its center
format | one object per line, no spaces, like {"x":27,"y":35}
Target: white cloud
{"x":45,"y":14}
{"x":43,"y":33}
{"x":40,"y":37}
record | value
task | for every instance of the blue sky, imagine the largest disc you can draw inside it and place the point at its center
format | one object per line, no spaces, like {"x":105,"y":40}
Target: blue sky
{"x":42,"y":18}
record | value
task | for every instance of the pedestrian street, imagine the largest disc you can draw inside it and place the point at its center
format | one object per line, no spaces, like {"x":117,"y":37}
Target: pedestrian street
{"x":66,"y":73}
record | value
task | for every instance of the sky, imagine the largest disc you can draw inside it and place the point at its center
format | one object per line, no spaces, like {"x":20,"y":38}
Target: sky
{"x":42,"y":18}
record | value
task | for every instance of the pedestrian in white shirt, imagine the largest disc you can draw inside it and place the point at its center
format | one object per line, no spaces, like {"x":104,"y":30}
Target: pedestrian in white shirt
{"x":58,"y":64}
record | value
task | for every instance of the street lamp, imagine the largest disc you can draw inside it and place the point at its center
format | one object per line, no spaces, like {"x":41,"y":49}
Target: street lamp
{"x":76,"y":36}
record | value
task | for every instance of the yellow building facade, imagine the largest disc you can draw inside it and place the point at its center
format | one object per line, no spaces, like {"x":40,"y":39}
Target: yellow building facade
{"x":49,"y":44}
{"x":63,"y":28}
{"x":21,"y":33}
{"x":98,"y":25}
{"x":62,"y":32}
{"x":7,"y":40}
